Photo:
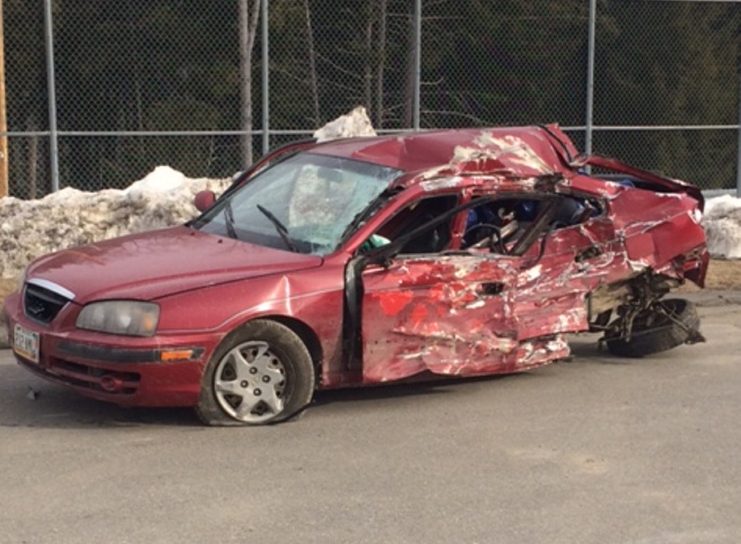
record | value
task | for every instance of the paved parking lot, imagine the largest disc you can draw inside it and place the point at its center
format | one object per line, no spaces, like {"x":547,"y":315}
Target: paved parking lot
{"x":597,"y":450}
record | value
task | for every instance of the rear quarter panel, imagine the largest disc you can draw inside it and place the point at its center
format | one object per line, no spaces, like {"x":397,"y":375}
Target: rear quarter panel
{"x":658,"y":230}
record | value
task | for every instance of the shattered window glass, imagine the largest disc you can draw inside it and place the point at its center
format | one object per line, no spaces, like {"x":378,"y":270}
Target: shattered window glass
{"x":303,"y":204}
{"x":434,"y":239}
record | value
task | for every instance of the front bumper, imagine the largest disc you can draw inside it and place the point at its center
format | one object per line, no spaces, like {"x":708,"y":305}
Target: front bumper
{"x":124,"y":370}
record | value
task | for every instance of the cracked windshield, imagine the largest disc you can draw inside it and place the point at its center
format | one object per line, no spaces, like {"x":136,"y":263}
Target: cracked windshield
{"x":303,"y":204}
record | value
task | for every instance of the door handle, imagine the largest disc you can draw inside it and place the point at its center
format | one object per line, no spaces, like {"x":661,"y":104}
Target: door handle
{"x":490,"y":289}
{"x":588,"y":253}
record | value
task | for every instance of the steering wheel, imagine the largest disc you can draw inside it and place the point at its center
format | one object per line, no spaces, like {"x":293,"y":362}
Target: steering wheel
{"x":494,"y":237}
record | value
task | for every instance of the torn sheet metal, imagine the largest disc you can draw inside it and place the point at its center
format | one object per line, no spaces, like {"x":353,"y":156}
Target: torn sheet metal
{"x":433,"y":314}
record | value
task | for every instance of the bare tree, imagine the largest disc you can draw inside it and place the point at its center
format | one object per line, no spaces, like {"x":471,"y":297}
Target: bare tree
{"x":381,"y":62}
{"x":367,"y":68}
{"x":33,"y":157}
{"x":249,"y":13}
{"x":409,"y":78}
{"x":312,"y":63}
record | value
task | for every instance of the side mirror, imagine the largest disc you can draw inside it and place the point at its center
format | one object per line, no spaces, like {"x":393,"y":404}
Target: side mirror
{"x":382,"y":256}
{"x":204,"y":200}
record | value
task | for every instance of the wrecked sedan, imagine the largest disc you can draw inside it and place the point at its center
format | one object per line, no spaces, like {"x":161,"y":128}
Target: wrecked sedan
{"x":369,"y":260}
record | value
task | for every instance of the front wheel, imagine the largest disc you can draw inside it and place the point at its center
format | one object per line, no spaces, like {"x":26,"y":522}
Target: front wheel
{"x":261,"y":373}
{"x":673,"y":323}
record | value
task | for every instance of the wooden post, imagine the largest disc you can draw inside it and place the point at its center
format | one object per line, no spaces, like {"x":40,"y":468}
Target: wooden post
{"x":3,"y":121}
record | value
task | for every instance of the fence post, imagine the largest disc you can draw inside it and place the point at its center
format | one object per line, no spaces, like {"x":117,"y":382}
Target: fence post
{"x":417,"y":61}
{"x":265,"y":79}
{"x":738,"y":147}
{"x":590,"y":78}
{"x":53,"y":143}
{"x":4,"y":184}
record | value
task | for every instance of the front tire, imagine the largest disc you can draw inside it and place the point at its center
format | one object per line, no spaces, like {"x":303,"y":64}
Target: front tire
{"x":261,"y":373}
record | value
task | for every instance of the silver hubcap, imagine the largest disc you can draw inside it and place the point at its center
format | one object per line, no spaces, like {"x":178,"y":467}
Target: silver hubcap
{"x":249,"y":383}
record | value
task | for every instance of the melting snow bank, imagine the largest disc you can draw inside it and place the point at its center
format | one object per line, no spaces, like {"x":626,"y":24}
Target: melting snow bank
{"x":354,"y":124}
{"x":31,"y":228}
{"x":722,"y":222}
{"x":68,"y":218}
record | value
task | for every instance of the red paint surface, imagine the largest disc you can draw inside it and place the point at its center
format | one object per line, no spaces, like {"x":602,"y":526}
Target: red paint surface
{"x":393,"y":302}
{"x":427,"y":313}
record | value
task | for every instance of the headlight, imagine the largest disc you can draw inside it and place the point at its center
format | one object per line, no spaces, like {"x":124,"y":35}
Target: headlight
{"x":127,"y":317}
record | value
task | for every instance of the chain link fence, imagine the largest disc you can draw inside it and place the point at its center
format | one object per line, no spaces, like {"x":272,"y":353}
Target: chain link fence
{"x":139,"y":84}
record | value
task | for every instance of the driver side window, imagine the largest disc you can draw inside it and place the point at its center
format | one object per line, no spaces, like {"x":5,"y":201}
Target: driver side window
{"x":433,"y":240}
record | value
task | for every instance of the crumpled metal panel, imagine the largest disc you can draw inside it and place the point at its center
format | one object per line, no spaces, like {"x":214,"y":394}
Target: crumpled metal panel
{"x":516,"y":152}
{"x":486,"y":314}
{"x":448,"y":317}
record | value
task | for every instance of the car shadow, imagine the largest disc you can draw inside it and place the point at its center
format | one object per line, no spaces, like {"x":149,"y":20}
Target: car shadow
{"x":586,"y":349}
{"x":433,"y":386}
{"x":64,"y":411}
{"x":28,"y":401}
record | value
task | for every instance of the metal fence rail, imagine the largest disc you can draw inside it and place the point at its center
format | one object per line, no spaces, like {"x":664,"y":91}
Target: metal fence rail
{"x":98,"y":93}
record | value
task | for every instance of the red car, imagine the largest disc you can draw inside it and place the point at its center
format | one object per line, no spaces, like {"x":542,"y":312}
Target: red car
{"x":369,"y":260}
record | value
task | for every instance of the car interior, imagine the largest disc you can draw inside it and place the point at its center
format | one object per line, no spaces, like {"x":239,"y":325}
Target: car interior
{"x":497,"y":225}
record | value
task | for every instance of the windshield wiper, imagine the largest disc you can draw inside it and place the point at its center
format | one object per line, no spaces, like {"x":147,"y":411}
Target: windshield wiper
{"x":229,"y":218}
{"x":279,"y":227}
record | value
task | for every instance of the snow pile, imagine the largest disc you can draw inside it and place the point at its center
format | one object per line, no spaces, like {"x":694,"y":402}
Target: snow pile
{"x":354,"y":124}
{"x":68,"y":218}
{"x":722,"y":222}
{"x":31,"y":228}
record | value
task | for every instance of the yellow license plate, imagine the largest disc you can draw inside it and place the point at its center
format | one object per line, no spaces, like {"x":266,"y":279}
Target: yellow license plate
{"x":26,"y":343}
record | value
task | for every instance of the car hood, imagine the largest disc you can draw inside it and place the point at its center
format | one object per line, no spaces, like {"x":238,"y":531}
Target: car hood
{"x":159,"y":263}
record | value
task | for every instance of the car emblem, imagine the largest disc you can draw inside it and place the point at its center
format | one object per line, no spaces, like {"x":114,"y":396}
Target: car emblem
{"x":35,"y":309}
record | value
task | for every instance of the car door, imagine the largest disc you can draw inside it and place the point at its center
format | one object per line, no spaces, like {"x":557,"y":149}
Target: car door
{"x":445,"y":314}
{"x":456,"y":313}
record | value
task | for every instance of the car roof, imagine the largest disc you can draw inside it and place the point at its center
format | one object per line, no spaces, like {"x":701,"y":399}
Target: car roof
{"x":513,"y":151}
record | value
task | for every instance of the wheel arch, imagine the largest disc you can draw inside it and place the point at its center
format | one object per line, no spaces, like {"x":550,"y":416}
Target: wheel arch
{"x":307,"y":335}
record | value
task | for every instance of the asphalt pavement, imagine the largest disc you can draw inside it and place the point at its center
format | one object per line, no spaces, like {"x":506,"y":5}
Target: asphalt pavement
{"x":596,"y":450}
